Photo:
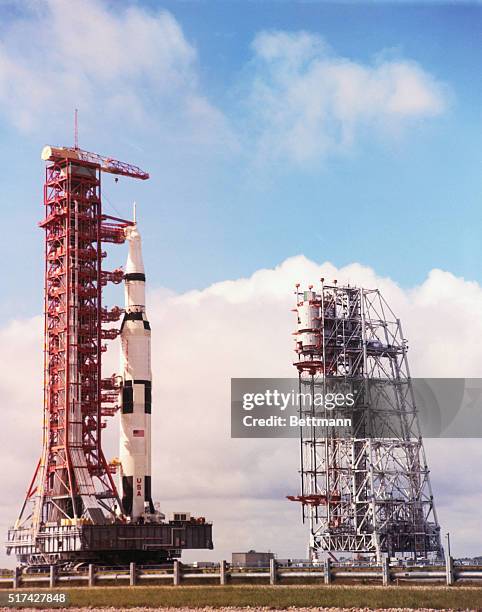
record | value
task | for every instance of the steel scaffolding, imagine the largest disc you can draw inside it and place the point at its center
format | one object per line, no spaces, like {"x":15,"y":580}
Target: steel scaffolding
{"x":366,"y":490}
{"x":72,"y":512}
{"x":73,"y":482}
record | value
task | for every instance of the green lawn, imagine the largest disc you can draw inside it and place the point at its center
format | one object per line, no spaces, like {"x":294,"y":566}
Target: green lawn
{"x":280,"y":596}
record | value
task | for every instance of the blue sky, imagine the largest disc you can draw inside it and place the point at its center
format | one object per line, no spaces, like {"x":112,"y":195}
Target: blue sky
{"x":401,"y":196}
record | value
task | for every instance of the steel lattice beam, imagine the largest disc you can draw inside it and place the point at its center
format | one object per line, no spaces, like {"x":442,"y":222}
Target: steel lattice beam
{"x":376,"y":490}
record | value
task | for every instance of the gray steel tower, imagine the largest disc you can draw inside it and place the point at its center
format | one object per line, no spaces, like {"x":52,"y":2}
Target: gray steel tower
{"x":366,"y":490}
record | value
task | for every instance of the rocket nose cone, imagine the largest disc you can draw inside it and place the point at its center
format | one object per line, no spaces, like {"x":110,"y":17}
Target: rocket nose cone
{"x":134,"y":258}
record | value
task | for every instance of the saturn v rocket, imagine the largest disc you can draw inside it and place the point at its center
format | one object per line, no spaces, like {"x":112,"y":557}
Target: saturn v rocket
{"x":135,"y":421}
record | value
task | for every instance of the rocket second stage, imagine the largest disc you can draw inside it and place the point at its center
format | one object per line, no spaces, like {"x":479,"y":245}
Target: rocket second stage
{"x":135,"y":427}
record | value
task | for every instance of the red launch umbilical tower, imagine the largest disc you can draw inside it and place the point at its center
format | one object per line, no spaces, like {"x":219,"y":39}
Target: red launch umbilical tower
{"x":73,"y":479}
{"x":72,"y":511}
{"x":75,"y":228}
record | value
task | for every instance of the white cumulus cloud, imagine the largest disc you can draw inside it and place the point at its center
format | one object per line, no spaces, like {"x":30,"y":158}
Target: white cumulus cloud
{"x":124,"y":67}
{"x":242,"y":328}
{"x":307,"y":101}
{"x":135,"y":76}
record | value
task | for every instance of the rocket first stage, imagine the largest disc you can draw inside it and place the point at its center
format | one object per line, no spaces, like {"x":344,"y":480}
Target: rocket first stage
{"x":135,"y":421}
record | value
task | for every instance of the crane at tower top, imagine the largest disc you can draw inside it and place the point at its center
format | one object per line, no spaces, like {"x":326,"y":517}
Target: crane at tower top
{"x":106,"y":164}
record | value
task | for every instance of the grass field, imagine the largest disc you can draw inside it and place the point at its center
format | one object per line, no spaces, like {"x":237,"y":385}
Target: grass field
{"x":459,"y":597}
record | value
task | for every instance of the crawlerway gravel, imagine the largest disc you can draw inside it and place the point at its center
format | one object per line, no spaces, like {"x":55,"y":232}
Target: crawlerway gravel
{"x":245,"y":609}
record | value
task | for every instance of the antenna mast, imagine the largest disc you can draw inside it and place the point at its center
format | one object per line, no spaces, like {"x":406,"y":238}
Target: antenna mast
{"x":76,"y":129}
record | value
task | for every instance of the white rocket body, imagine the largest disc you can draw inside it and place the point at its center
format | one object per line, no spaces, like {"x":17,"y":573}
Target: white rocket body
{"x":135,"y":421}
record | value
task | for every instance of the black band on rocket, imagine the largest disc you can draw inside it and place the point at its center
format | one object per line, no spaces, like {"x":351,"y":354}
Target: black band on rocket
{"x":135,"y":316}
{"x":135,"y":276}
{"x":128,"y":491}
{"x":148,"y":495}
{"x":128,"y":396}
{"x":127,"y":399}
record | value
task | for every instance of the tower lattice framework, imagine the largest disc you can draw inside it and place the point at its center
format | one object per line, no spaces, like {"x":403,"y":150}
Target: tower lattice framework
{"x":72,"y":512}
{"x":367,"y":490}
{"x":73,"y":480}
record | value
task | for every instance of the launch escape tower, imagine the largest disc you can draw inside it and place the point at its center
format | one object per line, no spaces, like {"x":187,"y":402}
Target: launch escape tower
{"x":72,"y":511}
{"x":366,"y":490}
